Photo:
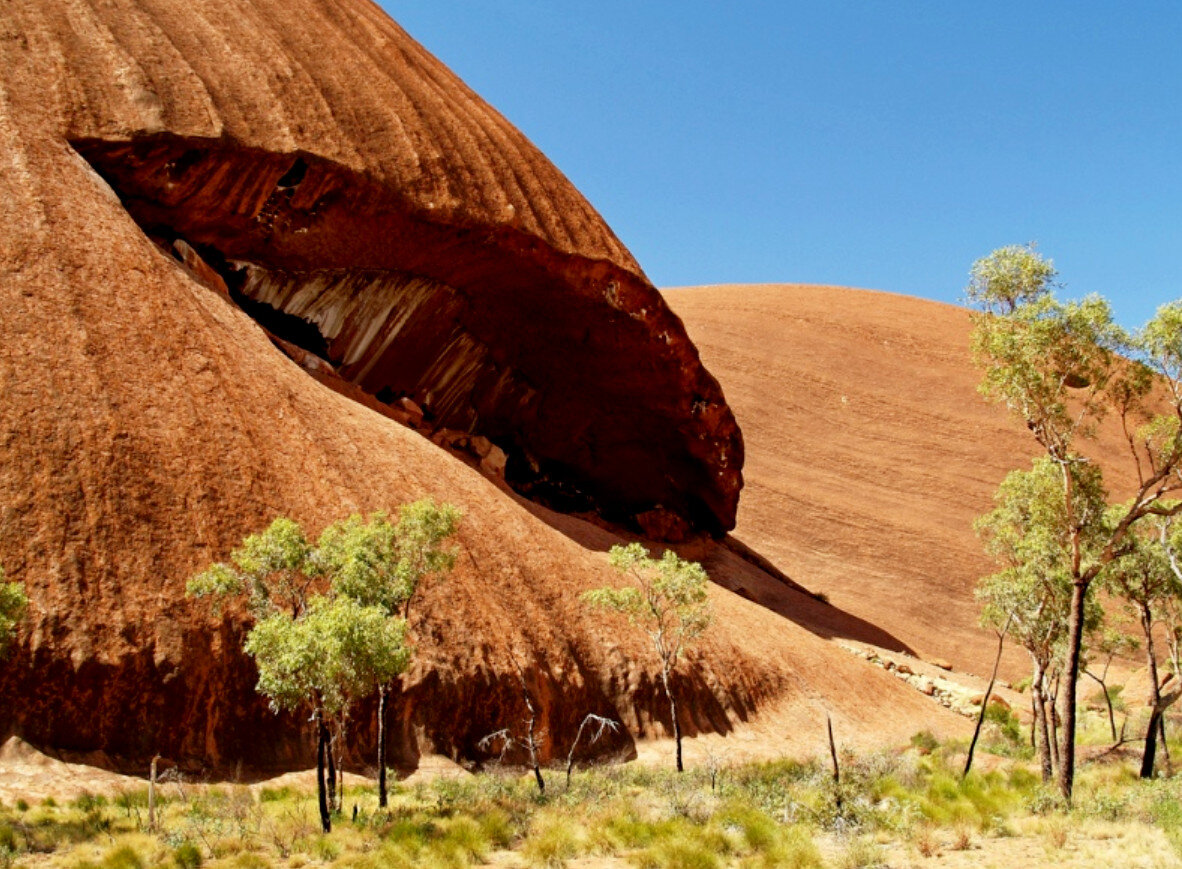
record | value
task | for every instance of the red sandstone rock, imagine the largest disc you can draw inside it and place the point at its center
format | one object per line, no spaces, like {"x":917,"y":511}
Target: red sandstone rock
{"x":148,"y":424}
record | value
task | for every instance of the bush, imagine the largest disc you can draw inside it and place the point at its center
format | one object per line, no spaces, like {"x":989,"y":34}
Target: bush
{"x":123,"y":857}
{"x":552,"y":841}
{"x":925,"y":742}
{"x":1005,"y":719}
{"x":187,"y":856}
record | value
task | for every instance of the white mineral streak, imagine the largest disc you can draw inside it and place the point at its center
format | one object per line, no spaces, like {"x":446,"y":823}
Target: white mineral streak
{"x":366,"y":308}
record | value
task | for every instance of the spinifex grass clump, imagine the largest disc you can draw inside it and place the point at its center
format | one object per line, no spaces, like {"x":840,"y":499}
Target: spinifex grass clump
{"x":761,"y":814}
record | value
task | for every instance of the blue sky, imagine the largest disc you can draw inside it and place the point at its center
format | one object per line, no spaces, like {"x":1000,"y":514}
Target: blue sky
{"x":874,"y":144}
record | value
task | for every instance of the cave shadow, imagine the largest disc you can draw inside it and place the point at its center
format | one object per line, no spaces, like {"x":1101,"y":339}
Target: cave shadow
{"x":736,"y":567}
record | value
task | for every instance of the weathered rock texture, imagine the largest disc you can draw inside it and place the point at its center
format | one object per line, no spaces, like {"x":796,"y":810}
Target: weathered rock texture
{"x":877,"y":453}
{"x":334,"y":171}
{"x":307,"y":154}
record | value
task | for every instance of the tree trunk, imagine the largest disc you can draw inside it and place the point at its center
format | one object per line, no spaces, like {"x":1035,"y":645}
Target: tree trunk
{"x":673,"y":715}
{"x":1043,"y":733}
{"x":1149,"y":758}
{"x":321,"y":791}
{"x":383,"y":801}
{"x":1001,"y":638}
{"x":1150,"y":754}
{"x":1066,"y":776}
{"x":332,"y":771}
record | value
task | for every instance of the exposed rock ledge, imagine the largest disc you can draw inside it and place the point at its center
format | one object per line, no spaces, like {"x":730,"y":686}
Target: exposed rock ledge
{"x":574,"y":367}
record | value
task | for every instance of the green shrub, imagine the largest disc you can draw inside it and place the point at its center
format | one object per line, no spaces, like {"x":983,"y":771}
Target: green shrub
{"x":85,"y":802}
{"x":22,"y":805}
{"x":276,"y":795}
{"x":251,"y":861}
{"x":326,"y":849}
{"x":187,"y":856}
{"x":552,"y":840}
{"x":497,"y":828}
{"x":684,"y":854}
{"x":1007,"y":722}
{"x":123,"y":857}
{"x":461,"y":841}
{"x":925,"y":742}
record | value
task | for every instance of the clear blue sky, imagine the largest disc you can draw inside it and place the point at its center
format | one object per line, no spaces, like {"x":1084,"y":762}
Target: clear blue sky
{"x":872,"y":144}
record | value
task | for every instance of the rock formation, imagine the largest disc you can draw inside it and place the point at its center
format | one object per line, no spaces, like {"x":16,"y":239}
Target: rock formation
{"x":173,"y":169}
{"x":866,"y":474}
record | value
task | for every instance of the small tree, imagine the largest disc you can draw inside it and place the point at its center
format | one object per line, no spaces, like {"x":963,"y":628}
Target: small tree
{"x":1145,"y":580}
{"x":1031,"y":595}
{"x":1105,"y":644}
{"x":312,"y":651}
{"x":1060,"y":367}
{"x":333,"y":652}
{"x":380,"y":563}
{"x":275,"y":569}
{"x":668,"y":601}
{"x":13,"y":604}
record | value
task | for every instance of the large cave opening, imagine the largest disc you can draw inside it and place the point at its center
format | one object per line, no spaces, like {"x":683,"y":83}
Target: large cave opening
{"x":573,"y":368}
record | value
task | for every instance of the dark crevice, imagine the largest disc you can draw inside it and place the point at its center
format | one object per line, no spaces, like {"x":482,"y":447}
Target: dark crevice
{"x":574,"y":368}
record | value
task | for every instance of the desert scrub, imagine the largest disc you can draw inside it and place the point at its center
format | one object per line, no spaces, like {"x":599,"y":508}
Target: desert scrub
{"x":553,"y":839}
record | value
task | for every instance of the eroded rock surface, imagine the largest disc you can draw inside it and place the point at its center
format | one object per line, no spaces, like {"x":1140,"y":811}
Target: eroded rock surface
{"x":573,"y":365}
{"x":167,"y":164}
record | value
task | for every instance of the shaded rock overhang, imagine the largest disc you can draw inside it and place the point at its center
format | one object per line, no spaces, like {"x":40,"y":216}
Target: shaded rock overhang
{"x":574,"y":366}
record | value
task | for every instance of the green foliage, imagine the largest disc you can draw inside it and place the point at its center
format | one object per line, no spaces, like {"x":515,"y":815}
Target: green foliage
{"x":1009,"y":277}
{"x":380,"y":563}
{"x":668,"y":598}
{"x":276,"y":569}
{"x":1056,"y":366}
{"x":124,"y":857}
{"x":187,"y":856}
{"x":334,"y":651}
{"x":13,"y":605}
{"x":1006,"y":721}
{"x":924,"y":742}
{"x":1028,"y":533}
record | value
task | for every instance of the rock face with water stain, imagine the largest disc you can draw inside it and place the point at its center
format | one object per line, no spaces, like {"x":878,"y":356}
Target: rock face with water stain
{"x":379,"y":215}
{"x":173,"y":169}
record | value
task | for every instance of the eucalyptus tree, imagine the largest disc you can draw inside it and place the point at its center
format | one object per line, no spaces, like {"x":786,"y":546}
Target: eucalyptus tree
{"x":668,"y":600}
{"x":381,"y":563}
{"x":334,"y":652}
{"x":1146,"y":582}
{"x":1030,"y":596}
{"x":316,"y":648}
{"x":13,"y":605}
{"x":1061,"y":367}
{"x":275,"y":569}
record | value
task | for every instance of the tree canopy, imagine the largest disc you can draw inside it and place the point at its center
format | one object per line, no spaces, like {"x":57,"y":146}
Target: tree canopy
{"x":667,"y":600}
{"x":13,"y":605}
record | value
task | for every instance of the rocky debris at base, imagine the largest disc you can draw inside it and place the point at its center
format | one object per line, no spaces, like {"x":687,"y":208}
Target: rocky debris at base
{"x":947,"y":692}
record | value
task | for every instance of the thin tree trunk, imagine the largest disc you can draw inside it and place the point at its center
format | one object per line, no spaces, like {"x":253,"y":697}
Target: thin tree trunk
{"x":1165,"y":747}
{"x":837,"y":797}
{"x":1149,"y":757}
{"x":1034,"y":718}
{"x":332,"y":771}
{"x":1001,"y":638}
{"x":1066,"y":776}
{"x":321,"y":791}
{"x":673,"y":715}
{"x":383,"y":801}
{"x":152,"y":796}
{"x":1102,"y":682}
{"x":1042,"y":731}
{"x":1051,"y":710}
